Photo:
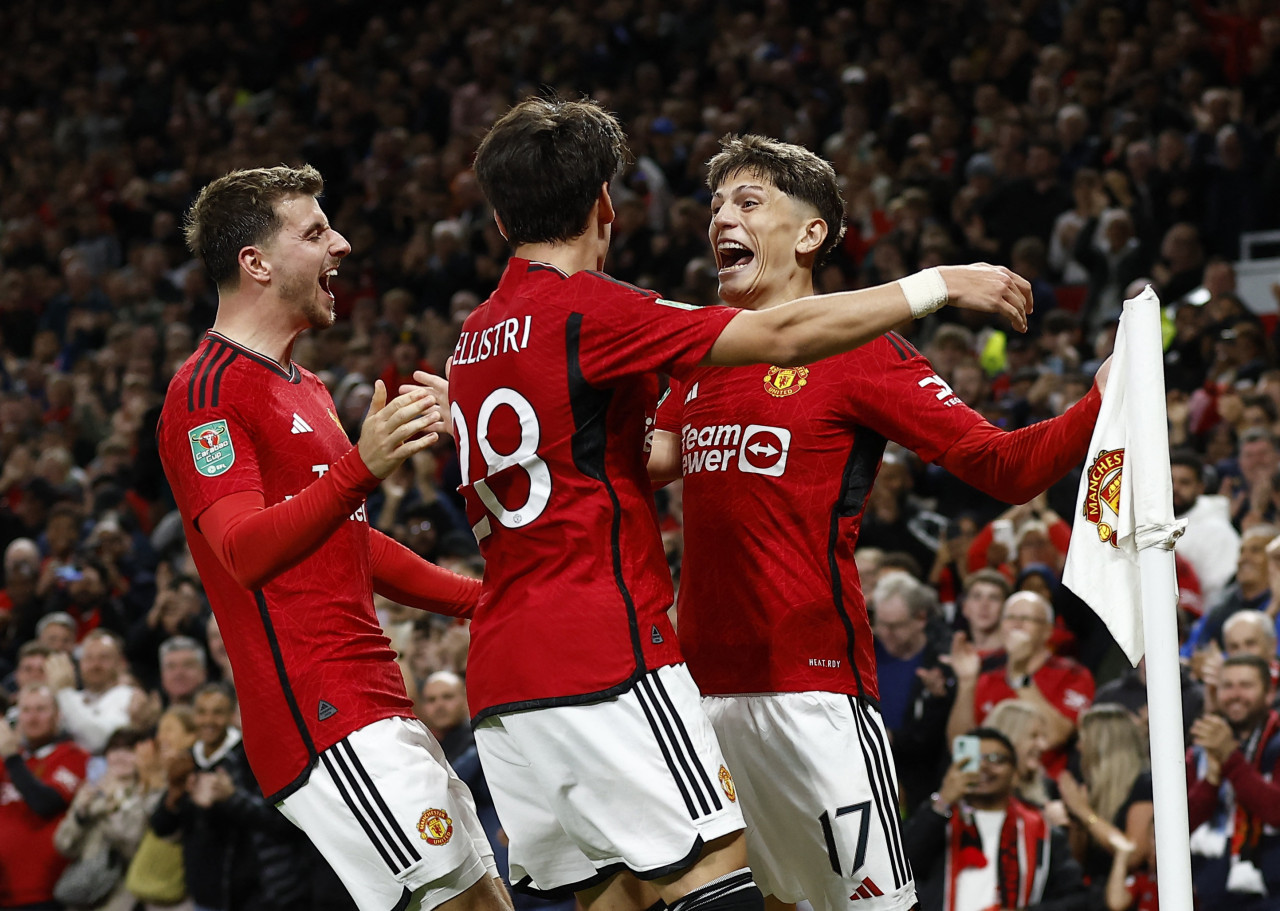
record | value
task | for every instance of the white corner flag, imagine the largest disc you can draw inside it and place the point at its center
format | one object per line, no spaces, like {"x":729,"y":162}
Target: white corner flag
{"x":1121,"y":563}
{"x":1115,"y":520}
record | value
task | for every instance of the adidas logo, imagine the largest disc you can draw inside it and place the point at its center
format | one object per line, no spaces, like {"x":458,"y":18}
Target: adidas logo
{"x":327,"y":711}
{"x":654,"y":636}
{"x":691,"y":394}
{"x":866,"y":889}
{"x":299,"y":425}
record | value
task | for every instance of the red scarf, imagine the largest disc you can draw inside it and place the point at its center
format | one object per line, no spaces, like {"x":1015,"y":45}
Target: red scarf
{"x":1022,"y":842}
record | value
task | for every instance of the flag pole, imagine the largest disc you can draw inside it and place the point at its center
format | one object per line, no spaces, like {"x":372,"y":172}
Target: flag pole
{"x":1155,"y":535}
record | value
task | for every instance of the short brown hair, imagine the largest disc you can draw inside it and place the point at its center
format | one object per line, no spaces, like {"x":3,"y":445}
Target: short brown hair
{"x":793,"y":169}
{"x":238,"y":210}
{"x":542,"y":165}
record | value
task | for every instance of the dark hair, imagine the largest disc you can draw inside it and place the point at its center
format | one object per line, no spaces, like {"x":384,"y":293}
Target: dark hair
{"x":221,"y":687}
{"x":993,"y":734}
{"x":238,"y":210}
{"x":543,"y":163}
{"x":793,"y":169}
{"x":1258,"y":663}
{"x":123,"y":739}
{"x":990,"y":577}
{"x":1187,"y":458}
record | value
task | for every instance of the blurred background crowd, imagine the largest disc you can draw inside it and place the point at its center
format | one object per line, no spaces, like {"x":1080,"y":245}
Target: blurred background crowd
{"x":1092,"y":146}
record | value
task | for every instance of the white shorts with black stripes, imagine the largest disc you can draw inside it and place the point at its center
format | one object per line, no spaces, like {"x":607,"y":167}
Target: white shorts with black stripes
{"x":392,"y":819}
{"x":820,"y":797}
{"x":635,"y":782}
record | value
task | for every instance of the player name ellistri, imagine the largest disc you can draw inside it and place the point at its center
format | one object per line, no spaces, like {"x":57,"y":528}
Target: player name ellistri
{"x":508,"y":335}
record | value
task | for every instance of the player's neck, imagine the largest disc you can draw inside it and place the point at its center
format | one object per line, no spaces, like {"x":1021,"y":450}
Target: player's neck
{"x":799,"y":284}
{"x":253,"y":325}
{"x":574,"y":256}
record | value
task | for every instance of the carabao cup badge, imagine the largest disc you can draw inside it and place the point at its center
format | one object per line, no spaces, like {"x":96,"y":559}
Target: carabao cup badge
{"x":211,"y":448}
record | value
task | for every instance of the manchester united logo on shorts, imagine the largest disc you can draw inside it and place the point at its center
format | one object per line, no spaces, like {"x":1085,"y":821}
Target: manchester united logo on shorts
{"x":726,"y":782}
{"x":781,"y":382}
{"x":435,"y":827}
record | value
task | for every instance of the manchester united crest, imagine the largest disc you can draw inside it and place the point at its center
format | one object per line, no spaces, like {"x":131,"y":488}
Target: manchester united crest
{"x":435,"y":827}
{"x":781,"y":382}
{"x":1105,"y":474}
{"x":726,"y":782}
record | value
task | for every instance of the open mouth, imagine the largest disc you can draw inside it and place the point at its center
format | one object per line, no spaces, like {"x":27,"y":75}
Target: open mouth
{"x":733,"y":256}
{"x":325,"y":279}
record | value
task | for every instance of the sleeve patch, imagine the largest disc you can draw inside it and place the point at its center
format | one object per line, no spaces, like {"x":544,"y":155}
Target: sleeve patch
{"x":211,"y":448}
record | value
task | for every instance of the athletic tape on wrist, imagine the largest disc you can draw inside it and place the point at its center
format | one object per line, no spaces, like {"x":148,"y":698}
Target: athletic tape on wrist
{"x":925,"y":292}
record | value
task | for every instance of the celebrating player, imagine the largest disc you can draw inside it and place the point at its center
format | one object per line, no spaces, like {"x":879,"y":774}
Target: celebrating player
{"x":784,"y":458}
{"x":597,"y":753}
{"x":272,"y":501}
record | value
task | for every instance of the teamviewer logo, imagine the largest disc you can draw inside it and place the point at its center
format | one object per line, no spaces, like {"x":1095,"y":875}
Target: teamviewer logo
{"x":764,"y":450}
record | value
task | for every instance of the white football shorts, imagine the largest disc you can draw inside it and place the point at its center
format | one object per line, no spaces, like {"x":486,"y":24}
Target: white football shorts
{"x":634,"y":782}
{"x":820,"y":796}
{"x":392,"y":819}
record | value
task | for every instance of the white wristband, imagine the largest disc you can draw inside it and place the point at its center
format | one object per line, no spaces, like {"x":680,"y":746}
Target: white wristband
{"x":925,"y":292}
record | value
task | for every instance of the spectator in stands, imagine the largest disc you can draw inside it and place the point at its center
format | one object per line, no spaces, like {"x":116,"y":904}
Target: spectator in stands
{"x":1115,"y":795}
{"x":975,"y":845}
{"x":1251,"y":589}
{"x":984,"y":597}
{"x":1234,"y":804}
{"x":1130,"y":691}
{"x":40,"y":777}
{"x":100,"y":707}
{"x":1060,"y":687}
{"x":1023,"y":724}
{"x":914,"y":697}
{"x":1210,"y":543}
{"x":57,"y":632}
{"x":238,"y":851}
{"x":178,"y":610}
{"x":183,"y":670}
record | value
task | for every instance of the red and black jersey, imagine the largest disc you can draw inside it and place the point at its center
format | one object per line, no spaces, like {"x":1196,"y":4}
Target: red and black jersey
{"x":552,"y":383}
{"x":29,"y":863}
{"x":778,"y":464}
{"x":311,"y":663}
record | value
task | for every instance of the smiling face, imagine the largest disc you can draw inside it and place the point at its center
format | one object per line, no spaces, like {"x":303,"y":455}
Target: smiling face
{"x":764,"y":241}
{"x":1244,"y":696}
{"x":304,"y":256}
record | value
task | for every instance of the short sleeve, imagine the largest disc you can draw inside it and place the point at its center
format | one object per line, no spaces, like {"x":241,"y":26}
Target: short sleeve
{"x":1075,"y":693}
{"x":208,"y":453}
{"x":900,"y":395}
{"x":625,"y":331}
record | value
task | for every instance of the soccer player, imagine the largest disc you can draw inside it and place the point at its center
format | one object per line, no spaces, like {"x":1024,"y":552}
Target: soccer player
{"x":272,"y":500}
{"x":598,"y":756}
{"x":778,"y":463}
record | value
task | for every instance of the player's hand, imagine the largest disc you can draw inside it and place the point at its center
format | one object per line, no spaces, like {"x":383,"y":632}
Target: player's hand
{"x":989,"y":289}
{"x":439,"y":387}
{"x":393,"y":431}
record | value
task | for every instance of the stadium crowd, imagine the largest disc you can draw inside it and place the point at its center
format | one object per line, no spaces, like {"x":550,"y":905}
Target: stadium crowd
{"x":1093,"y":147}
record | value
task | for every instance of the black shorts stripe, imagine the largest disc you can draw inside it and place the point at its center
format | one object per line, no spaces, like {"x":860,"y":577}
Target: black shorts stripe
{"x":687,"y":762}
{"x":355,"y":811}
{"x":350,"y":752}
{"x":384,"y":829}
{"x":880,"y":776}
{"x":702,"y":775}
{"x":666,"y":754}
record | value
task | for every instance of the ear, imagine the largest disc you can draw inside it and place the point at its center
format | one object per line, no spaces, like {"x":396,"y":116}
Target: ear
{"x":812,"y":238}
{"x":253,"y":263}
{"x":605,"y":202}
{"x":502,"y":229}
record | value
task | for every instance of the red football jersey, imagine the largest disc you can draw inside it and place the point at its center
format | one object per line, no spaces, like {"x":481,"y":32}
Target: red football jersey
{"x":1067,"y":685}
{"x":29,"y":863}
{"x":310,"y":661}
{"x":777,"y":465}
{"x":552,"y":382}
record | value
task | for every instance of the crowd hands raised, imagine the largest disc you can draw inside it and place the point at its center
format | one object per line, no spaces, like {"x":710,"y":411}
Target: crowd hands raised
{"x":1091,"y":149}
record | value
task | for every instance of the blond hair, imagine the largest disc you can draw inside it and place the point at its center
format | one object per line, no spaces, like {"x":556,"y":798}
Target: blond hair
{"x":1112,"y":756}
{"x":1014,"y":718}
